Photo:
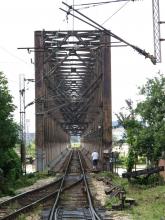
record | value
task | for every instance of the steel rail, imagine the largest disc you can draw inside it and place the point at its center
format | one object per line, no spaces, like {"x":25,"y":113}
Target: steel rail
{"x":70,"y":186}
{"x":28,"y":207}
{"x":54,"y":211}
{"x":93,"y":212}
{"x":22,"y":195}
{"x":19,"y":198}
{"x":34,"y":204}
{"x":51,"y":216}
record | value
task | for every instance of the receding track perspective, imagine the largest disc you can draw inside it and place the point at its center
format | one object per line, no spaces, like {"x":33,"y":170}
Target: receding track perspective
{"x":69,"y":197}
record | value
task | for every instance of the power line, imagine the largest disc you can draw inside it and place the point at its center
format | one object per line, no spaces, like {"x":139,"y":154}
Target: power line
{"x":94,"y":24}
{"x":104,"y":2}
{"x":94,"y":4}
{"x":115,"y":13}
{"x":13,"y":55}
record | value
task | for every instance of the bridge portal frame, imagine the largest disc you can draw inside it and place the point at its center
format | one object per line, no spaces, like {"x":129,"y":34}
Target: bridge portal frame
{"x":52,"y":126}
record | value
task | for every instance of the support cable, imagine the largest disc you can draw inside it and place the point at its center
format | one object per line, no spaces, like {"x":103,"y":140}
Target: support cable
{"x":115,"y":13}
{"x":102,"y":3}
{"x":108,"y":32}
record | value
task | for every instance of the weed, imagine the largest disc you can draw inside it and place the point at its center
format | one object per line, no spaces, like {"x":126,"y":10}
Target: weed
{"x":150,"y":197}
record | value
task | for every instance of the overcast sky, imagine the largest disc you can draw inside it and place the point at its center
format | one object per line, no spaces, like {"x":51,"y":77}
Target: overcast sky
{"x":20,"y":18}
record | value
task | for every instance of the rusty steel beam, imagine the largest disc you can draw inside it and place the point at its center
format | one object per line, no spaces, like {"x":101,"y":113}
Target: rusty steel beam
{"x":107,"y":103}
{"x":76,"y":77}
{"x":39,"y":92}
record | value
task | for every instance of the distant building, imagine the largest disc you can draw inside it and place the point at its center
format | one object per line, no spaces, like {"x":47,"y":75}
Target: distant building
{"x":117,"y":134}
{"x":30,"y":138}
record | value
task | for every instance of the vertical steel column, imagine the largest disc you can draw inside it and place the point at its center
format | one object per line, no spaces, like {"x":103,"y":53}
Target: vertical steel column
{"x":107,"y":104}
{"x":156,"y":30}
{"x":39,"y":92}
{"x":22,"y":122}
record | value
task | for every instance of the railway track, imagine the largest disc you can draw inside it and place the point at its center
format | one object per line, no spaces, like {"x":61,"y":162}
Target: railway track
{"x":74,"y":199}
{"x":69,"y":197}
{"x":25,"y":202}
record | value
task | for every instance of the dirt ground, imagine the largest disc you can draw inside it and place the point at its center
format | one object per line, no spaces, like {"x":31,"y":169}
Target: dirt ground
{"x":98,"y":191}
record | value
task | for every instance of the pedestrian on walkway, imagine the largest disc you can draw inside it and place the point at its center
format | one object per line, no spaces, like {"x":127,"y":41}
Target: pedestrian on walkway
{"x":95,"y":158}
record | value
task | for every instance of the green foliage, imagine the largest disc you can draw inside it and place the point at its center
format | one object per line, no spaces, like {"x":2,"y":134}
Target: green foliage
{"x":10,"y":165}
{"x":8,"y":128}
{"x":28,"y":179}
{"x":22,"y":217}
{"x":152,"y":112}
{"x":150,"y":203}
{"x":121,"y":161}
{"x":141,"y":160}
{"x":144,"y":123}
{"x":130,"y":161}
{"x":149,"y":199}
{"x":112,"y":201}
{"x":30,"y":150}
{"x":106,"y":174}
{"x":11,"y":170}
{"x":9,"y":187}
{"x":150,"y":181}
{"x":114,"y":178}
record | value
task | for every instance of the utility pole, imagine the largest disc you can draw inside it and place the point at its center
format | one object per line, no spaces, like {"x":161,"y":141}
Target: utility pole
{"x":22,"y":123}
{"x":156,"y":30}
{"x":22,"y":90}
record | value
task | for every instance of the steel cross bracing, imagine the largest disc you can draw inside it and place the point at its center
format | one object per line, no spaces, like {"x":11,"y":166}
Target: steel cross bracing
{"x":73,"y":76}
{"x":156,"y":30}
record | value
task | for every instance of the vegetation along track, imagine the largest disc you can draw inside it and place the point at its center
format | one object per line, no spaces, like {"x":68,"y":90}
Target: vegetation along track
{"x":25,"y":202}
{"x":67,"y":198}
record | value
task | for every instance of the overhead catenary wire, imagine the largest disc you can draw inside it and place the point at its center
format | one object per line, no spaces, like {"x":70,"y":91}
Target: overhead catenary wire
{"x":13,"y":55}
{"x":108,"y":32}
{"x":102,"y":2}
{"x":95,"y":4}
{"x":115,"y":13}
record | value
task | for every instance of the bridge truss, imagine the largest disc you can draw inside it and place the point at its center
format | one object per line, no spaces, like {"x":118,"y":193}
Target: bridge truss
{"x":73,"y":91}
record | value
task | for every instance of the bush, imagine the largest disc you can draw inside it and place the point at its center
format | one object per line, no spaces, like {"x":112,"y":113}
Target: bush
{"x":141,"y":160}
{"x":10,"y":164}
{"x":152,"y":180}
{"x":122,"y":160}
{"x":10,"y":170}
{"x":112,"y":201}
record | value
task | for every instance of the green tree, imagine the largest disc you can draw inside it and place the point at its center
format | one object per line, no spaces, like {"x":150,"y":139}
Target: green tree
{"x":152,"y":113}
{"x":9,"y":161}
{"x":145,"y":124}
{"x":132,"y":128}
{"x":8,"y":128}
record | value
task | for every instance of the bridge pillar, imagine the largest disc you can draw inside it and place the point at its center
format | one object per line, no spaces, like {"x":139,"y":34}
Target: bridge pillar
{"x":106,"y":99}
{"x":51,"y":139}
{"x":39,"y":92}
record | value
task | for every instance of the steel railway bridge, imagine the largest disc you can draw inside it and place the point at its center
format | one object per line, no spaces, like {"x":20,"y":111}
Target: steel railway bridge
{"x":73,"y":92}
